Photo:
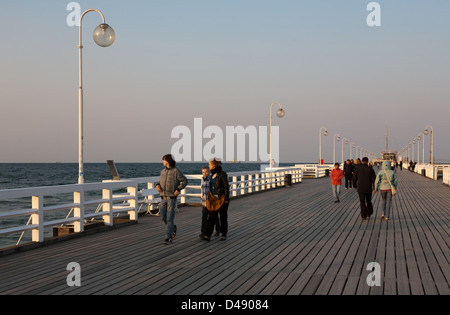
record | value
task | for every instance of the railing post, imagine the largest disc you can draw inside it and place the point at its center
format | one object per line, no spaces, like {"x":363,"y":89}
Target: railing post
{"x":258,"y":182}
{"x":250,"y":186}
{"x":234,"y":186}
{"x":78,"y":197}
{"x":151,"y":197}
{"x":38,"y":219}
{"x":108,"y":207}
{"x":133,"y":191}
{"x":183,"y":197}
{"x":242,"y":185}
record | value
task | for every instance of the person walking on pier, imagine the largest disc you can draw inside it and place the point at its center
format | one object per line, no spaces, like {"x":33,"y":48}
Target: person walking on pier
{"x":348,"y":173}
{"x":336,"y":180}
{"x":209,"y":218}
{"x":385,"y":181}
{"x":171,"y":182}
{"x":365,"y":176}
{"x":220,"y":187}
{"x":355,"y":170}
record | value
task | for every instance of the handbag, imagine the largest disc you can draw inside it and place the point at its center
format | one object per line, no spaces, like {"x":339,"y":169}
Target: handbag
{"x":213,"y":203}
{"x":393,"y":190}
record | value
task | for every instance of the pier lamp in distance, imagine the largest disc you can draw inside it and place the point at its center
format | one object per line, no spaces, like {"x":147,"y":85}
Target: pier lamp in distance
{"x":104,"y":35}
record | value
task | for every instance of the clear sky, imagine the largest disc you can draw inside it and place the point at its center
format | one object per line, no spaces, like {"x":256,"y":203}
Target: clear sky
{"x":224,"y":61}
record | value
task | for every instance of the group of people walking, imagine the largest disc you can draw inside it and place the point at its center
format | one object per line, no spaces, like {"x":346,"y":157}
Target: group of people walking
{"x":216,"y":193}
{"x":215,"y":198}
{"x":362,"y":177}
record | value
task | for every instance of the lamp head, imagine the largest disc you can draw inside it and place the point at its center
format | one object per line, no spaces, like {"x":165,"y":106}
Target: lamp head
{"x":281,"y":113}
{"x":426,"y":132}
{"x":104,"y":35}
{"x":325,"y":133}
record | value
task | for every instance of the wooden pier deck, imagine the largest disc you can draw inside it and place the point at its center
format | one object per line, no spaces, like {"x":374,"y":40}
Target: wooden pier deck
{"x":287,"y":241}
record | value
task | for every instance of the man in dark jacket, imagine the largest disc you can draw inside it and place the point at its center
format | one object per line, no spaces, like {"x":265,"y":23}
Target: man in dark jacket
{"x":366,"y":180}
{"x":348,"y":173}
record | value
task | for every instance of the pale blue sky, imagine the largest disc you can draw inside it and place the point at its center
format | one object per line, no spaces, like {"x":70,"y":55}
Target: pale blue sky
{"x":224,"y":61}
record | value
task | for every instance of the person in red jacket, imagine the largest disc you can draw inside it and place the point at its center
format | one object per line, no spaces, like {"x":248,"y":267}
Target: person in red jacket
{"x":336,"y":180}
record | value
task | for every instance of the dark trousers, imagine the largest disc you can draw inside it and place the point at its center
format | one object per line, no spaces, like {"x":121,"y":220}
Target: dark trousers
{"x":209,"y":220}
{"x":348,"y":181}
{"x":365,"y":200}
{"x":355,"y":181}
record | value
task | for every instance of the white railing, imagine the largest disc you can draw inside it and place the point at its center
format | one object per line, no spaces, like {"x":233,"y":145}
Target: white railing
{"x":314,"y":170}
{"x":77,"y":204}
{"x":446,"y":176}
{"x":432,"y":171}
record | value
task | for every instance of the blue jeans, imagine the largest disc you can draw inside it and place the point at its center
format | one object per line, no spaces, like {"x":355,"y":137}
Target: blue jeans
{"x":386,"y":195}
{"x":167,"y":213}
{"x":336,"y":191}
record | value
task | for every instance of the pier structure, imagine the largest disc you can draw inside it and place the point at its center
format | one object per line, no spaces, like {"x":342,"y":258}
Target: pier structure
{"x":287,"y":241}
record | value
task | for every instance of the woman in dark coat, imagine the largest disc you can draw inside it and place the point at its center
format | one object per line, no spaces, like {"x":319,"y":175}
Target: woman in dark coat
{"x":220,"y":187}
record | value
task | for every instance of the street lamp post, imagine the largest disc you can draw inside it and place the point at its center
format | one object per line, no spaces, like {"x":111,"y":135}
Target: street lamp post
{"x":338,"y":137}
{"x":280,"y":113}
{"x":104,"y":36}
{"x":426,"y":132}
{"x":325,"y":133}
{"x":409,"y":152}
{"x":423,"y":148}
{"x":418,"y":148}
{"x":344,"y":140}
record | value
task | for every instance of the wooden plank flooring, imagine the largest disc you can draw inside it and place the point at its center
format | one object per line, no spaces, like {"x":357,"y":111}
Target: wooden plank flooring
{"x":287,"y":241}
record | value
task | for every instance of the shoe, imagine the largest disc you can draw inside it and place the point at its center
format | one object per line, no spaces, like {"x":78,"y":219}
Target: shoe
{"x":174,"y":232}
{"x":168,"y":241}
{"x":223,"y":238}
{"x":206,"y":238}
{"x":336,"y":201}
{"x":386,"y":219}
{"x":201,"y":236}
{"x":382,"y":216}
